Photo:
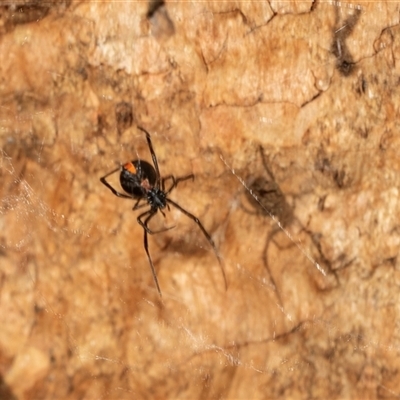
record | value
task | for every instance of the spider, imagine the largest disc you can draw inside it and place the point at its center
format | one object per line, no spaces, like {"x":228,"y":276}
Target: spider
{"x":266,"y":194}
{"x":142,"y":182}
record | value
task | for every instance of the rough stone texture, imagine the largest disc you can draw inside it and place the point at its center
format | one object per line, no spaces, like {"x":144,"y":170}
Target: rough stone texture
{"x":312,"y":306}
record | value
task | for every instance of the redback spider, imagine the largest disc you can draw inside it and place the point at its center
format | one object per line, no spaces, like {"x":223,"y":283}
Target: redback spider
{"x":142,"y":182}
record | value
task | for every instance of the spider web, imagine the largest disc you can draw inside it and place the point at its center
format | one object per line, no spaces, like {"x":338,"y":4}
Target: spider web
{"x":80,"y":315}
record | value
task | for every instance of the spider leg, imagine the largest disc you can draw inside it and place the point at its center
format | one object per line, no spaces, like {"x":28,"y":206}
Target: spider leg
{"x":163,"y":180}
{"x":150,"y":214}
{"x":153,"y":156}
{"x":115,"y":192}
{"x":265,"y":260}
{"x":265,"y":163}
{"x":206,"y":234}
{"x":146,"y":221}
{"x":175,"y":181}
{"x":137,"y":205}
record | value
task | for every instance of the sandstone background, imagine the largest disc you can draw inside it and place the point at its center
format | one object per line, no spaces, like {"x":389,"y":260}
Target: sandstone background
{"x":316,"y":84}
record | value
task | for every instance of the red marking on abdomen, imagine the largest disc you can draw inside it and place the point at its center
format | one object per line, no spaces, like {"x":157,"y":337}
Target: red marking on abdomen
{"x":130,"y":168}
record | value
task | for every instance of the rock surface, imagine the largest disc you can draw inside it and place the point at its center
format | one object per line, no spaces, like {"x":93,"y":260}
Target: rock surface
{"x":287,"y":114}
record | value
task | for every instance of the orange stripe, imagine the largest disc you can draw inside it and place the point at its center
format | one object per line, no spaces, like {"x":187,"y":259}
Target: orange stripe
{"x":130,"y":168}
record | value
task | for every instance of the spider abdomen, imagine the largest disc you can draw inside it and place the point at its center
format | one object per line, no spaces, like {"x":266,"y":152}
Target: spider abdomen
{"x":137,"y":178}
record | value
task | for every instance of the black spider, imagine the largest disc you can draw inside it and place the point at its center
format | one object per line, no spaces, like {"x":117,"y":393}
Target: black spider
{"x":142,"y":182}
